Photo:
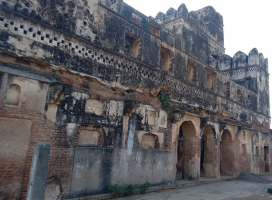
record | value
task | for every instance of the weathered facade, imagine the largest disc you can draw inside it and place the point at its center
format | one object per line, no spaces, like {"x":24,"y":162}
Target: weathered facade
{"x":123,"y":98}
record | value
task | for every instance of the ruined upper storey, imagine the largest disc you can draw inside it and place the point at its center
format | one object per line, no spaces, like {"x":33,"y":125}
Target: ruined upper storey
{"x":115,"y":43}
{"x":206,"y":20}
{"x":86,"y":19}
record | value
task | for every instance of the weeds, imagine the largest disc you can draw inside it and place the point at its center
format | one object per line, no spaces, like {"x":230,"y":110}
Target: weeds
{"x":128,"y":190}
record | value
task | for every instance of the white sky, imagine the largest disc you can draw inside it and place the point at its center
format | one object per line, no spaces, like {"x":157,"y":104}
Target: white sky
{"x":247,"y":23}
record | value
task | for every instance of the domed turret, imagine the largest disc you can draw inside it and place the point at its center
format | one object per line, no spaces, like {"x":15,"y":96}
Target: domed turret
{"x":182,"y":10}
{"x":239,"y":59}
{"x":171,"y":14}
{"x":225,"y":62}
{"x":253,"y":58}
{"x":160,"y":17}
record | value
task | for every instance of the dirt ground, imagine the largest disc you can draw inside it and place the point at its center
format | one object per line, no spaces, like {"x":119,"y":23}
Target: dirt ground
{"x":228,"y":190}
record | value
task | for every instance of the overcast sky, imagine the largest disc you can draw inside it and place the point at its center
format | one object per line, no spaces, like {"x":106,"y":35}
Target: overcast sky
{"x":247,"y":23}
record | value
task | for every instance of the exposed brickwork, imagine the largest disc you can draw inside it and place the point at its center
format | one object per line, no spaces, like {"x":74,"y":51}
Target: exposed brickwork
{"x":88,"y":82}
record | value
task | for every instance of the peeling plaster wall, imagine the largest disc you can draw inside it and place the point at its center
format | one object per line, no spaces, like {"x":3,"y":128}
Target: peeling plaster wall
{"x":65,"y":69}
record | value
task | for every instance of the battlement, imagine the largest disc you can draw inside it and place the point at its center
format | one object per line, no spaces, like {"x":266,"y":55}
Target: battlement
{"x":240,"y":60}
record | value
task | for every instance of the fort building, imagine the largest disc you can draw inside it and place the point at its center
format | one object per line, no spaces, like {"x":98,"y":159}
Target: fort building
{"x":123,"y":98}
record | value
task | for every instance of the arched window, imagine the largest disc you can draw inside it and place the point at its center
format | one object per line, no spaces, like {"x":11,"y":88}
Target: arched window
{"x":257,"y":152}
{"x":216,"y":35}
{"x":13,"y":95}
{"x":191,"y":72}
{"x":133,"y":45}
{"x":166,"y":59}
{"x":244,"y":149}
{"x":249,"y":100}
{"x":239,"y":96}
{"x":210,"y":78}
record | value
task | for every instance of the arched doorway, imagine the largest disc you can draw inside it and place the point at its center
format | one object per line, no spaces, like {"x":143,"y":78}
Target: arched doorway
{"x":226,"y":152}
{"x":207,"y":168}
{"x":187,"y":152}
{"x":180,"y":156}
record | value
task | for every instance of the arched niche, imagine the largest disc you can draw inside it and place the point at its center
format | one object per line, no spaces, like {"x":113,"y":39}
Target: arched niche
{"x":150,"y":141}
{"x":13,"y":95}
{"x":226,"y":153}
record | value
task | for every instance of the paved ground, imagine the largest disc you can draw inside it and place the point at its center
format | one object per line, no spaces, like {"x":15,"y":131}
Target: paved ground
{"x":228,"y":190}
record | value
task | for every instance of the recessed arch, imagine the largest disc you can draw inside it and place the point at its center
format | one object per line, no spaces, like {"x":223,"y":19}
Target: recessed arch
{"x":188,"y":152}
{"x":207,"y":167}
{"x":13,"y":95}
{"x":226,"y":153}
{"x":150,"y":141}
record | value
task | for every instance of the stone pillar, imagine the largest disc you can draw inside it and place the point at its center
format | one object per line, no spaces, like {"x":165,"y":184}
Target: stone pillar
{"x":38,"y":172}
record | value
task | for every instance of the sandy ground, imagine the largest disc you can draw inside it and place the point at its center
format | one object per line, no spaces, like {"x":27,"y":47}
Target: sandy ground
{"x":229,"y":190}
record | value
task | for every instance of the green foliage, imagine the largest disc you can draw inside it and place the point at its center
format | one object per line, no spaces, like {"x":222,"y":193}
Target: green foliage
{"x":127,"y":190}
{"x":144,"y":187}
{"x":165,"y":99}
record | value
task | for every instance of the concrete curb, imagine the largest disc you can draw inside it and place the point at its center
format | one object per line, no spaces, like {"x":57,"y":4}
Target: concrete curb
{"x":203,"y":182}
{"x":109,"y":195}
{"x":161,"y":188}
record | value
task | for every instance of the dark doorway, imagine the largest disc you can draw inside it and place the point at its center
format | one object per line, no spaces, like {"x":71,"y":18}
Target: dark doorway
{"x":180,"y":152}
{"x":187,"y":152}
{"x":202,"y":156}
{"x":266,"y":158}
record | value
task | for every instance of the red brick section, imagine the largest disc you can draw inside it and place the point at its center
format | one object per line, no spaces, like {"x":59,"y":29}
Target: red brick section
{"x":263,"y":127}
{"x":43,"y":130}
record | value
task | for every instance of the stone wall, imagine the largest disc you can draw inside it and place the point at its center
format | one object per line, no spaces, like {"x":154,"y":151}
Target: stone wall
{"x":123,"y":99}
